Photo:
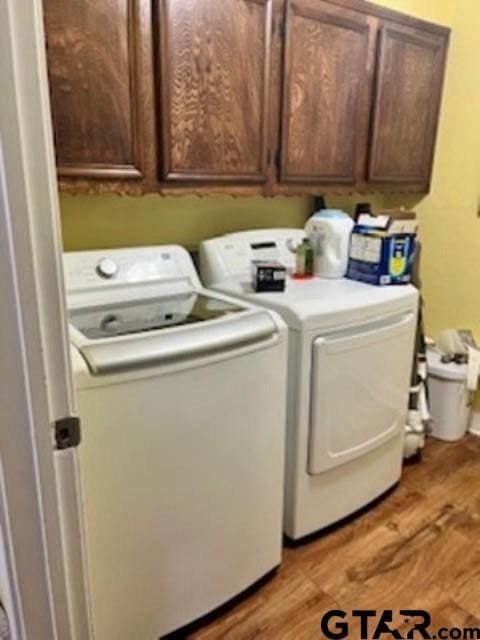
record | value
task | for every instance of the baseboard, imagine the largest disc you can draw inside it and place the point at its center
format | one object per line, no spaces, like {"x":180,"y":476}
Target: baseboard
{"x":475,"y":423}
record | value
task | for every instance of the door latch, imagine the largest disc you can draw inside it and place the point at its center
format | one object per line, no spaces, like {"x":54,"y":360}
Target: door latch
{"x":67,"y":433}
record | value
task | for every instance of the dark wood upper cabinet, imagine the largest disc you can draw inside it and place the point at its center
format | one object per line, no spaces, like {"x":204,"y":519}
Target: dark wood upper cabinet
{"x":326,"y":90}
{"x":243,"y":96}
{"x":214,"y":57}
{"x":408,"y":90}
{"x":101,"y":87}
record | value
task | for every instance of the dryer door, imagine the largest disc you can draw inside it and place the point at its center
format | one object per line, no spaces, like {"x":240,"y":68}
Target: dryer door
{"x":360,"y":386}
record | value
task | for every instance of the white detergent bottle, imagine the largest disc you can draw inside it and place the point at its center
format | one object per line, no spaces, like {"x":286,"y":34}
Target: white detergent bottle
{"x":329,"y":232}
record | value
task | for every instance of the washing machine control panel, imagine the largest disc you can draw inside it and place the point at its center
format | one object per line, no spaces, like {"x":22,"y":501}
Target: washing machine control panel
{"x":90,"y":270}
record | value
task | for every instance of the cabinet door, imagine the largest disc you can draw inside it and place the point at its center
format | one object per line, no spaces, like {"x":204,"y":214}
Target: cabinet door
{"x":101,"y":101}
{"x":409,"y":82}
{"x":215,"y":74}
{"x":326,"y":89}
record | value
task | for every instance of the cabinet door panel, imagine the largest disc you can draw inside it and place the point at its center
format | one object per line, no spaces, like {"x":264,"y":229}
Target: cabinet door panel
{"x":215,"y":61}
{"x":407,"y":101}
{"x":325,"y":94}
{"x":94,"y":56}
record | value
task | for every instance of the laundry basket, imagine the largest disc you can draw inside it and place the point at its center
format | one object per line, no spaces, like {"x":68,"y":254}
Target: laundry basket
{"x":450,"y":399}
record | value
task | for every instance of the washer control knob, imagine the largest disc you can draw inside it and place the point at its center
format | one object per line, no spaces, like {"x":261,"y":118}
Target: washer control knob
{"x":107,"y":268}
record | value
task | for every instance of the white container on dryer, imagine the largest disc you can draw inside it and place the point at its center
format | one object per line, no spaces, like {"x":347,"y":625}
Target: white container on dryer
{"x":329,"y":231}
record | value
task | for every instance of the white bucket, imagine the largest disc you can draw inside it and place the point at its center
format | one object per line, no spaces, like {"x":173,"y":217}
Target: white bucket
{"x":450,"y":399}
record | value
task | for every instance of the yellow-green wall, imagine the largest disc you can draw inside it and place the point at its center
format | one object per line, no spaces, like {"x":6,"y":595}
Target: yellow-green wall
{"x":91,"y":222}
{"x":450,"y":228}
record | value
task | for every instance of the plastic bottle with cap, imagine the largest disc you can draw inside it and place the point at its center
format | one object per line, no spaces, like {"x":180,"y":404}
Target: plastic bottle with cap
{"x":304,"y":260}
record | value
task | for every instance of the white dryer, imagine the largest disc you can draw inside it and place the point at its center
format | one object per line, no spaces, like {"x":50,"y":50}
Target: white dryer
{"x":182,"y":451}
{"x":350,"y":358}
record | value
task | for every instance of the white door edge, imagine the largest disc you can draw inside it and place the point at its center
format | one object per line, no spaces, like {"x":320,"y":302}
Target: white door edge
{"x":36,"y":387}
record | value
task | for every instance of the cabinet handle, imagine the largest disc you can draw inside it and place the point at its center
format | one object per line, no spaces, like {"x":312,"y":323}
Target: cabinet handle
{"x":278,"y":27}
{"x":274,"y":158}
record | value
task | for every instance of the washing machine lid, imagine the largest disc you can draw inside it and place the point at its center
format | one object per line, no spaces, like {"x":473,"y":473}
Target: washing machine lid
{"x":152,"y":314}
{"x":322,"y":303}
{"x":145,"y":333}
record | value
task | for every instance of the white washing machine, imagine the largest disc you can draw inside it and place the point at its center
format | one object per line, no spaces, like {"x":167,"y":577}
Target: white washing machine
{"x":350,"y":358}
{"x":182,"y":451}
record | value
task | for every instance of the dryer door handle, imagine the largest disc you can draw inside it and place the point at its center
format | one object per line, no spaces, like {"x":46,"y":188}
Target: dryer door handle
{"x":373,"y":331}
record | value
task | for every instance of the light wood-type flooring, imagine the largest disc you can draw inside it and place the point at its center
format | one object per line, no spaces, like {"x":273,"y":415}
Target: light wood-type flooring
{"x":418,"y":548}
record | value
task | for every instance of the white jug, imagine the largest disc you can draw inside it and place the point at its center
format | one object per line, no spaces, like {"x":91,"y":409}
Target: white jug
{"x":329,"y":231}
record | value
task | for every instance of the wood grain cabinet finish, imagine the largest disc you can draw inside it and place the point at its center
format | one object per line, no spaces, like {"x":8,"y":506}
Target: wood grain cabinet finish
{"x":243,"y":96}
{"x":214,"y":57}
{"x":407,"y":100}
{"x":101,"y":87}
{"x":325,"y":104}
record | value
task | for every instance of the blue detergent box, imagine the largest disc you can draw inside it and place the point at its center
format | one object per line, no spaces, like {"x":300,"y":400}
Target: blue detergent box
{"x":381,"y":257}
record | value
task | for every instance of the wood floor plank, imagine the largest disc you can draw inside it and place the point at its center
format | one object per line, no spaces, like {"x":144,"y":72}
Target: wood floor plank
{"x":441,"y":461}
{"x":335,"y":547}
{"x":466,"y":590}
{"x":400,"y":572}
{"x":289,"y":605}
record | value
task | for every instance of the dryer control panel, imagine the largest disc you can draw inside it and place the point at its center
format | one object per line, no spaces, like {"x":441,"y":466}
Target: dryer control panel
{"x":230,"y":257}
